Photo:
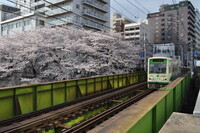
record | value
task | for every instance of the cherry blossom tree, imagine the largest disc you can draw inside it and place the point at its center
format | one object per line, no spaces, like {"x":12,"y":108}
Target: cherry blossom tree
{"x":51,"y":54}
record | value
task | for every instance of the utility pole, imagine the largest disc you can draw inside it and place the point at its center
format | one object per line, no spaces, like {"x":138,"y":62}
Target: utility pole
{"x":191,"y":59}
{"x":145,"y":53}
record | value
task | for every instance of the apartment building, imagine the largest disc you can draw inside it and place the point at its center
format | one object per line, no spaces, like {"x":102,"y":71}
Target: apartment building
{"x":31,"y":14}
{"x":89,"y":14}
{"x":174,"y":24}
{"x":118,"y":22}
{"x":197,"y":34}
{"x":139,"y":31}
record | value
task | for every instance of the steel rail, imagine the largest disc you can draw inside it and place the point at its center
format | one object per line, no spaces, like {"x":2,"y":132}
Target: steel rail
{"x":87,"y":124}
{"x":65,"y":112}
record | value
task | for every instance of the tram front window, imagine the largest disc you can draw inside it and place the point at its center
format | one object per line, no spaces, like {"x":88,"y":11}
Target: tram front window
{"x":158,"y":67}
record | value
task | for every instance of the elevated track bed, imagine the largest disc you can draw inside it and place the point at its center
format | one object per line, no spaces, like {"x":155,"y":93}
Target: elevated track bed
{"x":62,"y":119}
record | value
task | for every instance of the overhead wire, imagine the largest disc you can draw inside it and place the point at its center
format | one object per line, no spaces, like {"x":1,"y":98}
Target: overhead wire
{"x":118,"y":11}
{"x":142,"y":6}
{"x":136,"y":7}
{"x":125,"y":9}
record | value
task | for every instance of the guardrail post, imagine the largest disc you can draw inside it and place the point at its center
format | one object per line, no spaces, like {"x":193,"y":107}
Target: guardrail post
{"x":117,"y":81}
{"x":14,"y":102}
{"x":94,"y":85}
{"x":86,"y":87}
{"x":35,"y":98}
{"x":51,"y":94}
{"x":101,"y":83}
{"x":65,"y":91}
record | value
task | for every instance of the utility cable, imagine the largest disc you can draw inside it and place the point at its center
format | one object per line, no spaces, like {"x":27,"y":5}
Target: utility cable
{"x":125,"y":9}
{"x":136,"y":7}
{"x":142,"y":6}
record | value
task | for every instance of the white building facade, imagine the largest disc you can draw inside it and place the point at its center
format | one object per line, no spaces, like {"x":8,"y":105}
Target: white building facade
{"x":89,"y":14}
{"x":31,"y":14}
{"x":138,"y":32}
{"x":21,"y":23}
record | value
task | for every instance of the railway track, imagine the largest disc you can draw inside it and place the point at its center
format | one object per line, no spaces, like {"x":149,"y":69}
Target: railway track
{"x":57,"y":119}
{"x":86,"y":125}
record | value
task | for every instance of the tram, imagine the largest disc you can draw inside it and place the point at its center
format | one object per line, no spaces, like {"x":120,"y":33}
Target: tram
{"x":162,"y":70}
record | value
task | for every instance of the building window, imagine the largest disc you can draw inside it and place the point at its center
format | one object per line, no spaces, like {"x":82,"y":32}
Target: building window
{"x":137,"y":28}
{"x":77,"y":6}
{"x":11,"y":26}
{"x":4,"y":28}
{"x":41,"y":22}
{"x":18,"y":24}
{"x":27,"y":22}
{"x":172,"y":7}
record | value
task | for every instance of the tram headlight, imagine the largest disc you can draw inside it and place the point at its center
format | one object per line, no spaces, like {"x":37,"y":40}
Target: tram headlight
{"x":150,"y":78}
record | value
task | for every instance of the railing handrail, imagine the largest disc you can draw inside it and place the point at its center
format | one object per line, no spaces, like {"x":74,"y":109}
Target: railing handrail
{"x":46,"y":83}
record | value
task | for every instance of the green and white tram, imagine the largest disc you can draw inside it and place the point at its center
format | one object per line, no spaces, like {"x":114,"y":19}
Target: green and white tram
{"x":162,"y":70}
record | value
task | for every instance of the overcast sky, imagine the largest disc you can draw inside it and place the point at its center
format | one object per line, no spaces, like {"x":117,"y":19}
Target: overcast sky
{"x":130,"y":11}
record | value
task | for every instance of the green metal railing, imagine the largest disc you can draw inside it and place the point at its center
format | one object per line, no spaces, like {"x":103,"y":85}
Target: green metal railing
{"x":19,"y":100}
{"x":155,"y":118}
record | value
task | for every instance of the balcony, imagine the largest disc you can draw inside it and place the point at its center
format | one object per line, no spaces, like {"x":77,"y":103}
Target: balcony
{"x":52,"y":2}
{"x":58,"y":11}
{"x":38,"y":3}
{"x":94,"y":15}
{"x":96,"y":5}
{"x":104,"y":1}
{"x":91,"y":24}
{"x":43,"y":9}
{"x":62,"y":21}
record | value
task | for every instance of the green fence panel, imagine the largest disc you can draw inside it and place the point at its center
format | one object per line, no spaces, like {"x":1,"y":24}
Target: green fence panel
{"x":160,"y":114}
{"x":105,"y":83}
{"x":178,"y":96}
{"x":116,"y":80}
{"x":26,"y":103}
{"x":82,"y":86}
{"x":120,"y":81}
{"x":71,"y":91}
{"x":6,"y":93}
{"x":59,"y":93}
{"x":111,"y":81}
{"x":90,"y":86}
{"x":98,"y":84}
{"x":39,"y":96}
{"x":169,"y":104}
{"x":6,"y":104}
{"x":25,"y":99}
{"x":44,"y":96}
{"x":6,"y":108}
{"x":145,"y":122}
{"x":124,"y":80}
